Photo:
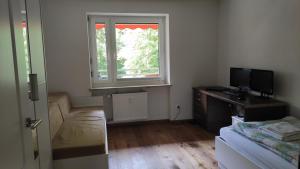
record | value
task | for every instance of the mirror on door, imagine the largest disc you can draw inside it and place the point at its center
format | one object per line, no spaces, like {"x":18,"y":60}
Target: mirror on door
{"x":25,"y":38}
{"x":28,"y":72}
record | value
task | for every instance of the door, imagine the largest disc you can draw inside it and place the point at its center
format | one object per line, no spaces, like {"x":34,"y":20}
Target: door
{"x":19,"y":28}
{"x":36,"y":48}
{"x":30,"y":82}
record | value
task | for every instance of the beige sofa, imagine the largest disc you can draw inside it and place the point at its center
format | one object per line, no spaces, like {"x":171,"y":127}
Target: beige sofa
{"x":77,"y":134}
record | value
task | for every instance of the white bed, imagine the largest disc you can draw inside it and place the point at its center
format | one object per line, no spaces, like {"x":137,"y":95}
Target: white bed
{"x":234,"y":151}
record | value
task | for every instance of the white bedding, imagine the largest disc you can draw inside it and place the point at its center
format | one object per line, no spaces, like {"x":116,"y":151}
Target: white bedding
{"x":259,"y":155}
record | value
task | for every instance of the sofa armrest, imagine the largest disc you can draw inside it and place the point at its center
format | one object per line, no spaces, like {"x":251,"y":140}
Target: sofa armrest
{"x":63,"y":100}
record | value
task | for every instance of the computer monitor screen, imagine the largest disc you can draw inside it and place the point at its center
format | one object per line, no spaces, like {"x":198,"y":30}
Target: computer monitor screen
{"x":240,"y":77}
{"x":262,"y":81}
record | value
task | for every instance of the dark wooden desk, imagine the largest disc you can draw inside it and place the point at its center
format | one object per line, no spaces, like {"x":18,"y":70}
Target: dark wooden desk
{"x":213,"y":109}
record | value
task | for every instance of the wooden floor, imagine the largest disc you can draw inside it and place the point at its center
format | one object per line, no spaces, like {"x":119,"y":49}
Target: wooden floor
{"x":160,"y":146}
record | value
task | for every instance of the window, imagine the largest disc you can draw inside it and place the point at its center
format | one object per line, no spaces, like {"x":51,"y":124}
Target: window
{"x":127,"y":50}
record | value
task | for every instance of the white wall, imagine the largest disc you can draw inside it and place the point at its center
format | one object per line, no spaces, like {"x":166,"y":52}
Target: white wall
{"x":193,"y":42}
{"x":262,"y":34}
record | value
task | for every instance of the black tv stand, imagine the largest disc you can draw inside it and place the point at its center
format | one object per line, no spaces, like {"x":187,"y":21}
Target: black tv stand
{"x":213,"y":109}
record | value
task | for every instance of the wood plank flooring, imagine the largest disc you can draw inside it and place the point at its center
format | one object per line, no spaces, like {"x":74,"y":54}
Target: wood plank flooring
{"x":161,"y":146}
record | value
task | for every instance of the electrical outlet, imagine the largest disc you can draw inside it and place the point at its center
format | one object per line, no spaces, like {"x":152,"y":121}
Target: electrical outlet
{"x":178,"y":112}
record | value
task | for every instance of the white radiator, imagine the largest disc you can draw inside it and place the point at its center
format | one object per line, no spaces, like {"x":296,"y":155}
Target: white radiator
{"x":130,"y":106}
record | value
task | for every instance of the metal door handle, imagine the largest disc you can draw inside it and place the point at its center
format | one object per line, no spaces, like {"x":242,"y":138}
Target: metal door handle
{"x":33,"y":124}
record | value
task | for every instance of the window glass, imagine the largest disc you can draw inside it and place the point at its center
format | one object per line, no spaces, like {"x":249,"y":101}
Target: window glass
{"x":137,"y":50}
{"x":101,"y":60}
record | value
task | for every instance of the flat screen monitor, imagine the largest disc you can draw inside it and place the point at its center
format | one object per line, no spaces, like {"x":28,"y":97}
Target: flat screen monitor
{"x":240,"y":77}
{"x":262,"y":81}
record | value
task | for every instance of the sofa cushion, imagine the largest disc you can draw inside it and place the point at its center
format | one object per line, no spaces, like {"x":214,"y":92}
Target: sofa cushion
{"x":80,"y":135}
{"x":55,"y":119}
{"x":63,"y":100}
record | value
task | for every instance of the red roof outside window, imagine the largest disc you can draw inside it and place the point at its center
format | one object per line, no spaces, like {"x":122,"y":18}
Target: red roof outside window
{"x":130,"y":26}
{"x":100,"y":26}
{"x":24,"y":24}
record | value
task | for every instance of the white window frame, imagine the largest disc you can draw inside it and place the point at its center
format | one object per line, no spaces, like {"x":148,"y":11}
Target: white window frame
{"x":110,"y":20}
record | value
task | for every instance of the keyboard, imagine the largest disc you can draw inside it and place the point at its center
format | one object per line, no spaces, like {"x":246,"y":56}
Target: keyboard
{"x":237,"y":94}
{"x":217,"y":88}
{"x":232,"y":92}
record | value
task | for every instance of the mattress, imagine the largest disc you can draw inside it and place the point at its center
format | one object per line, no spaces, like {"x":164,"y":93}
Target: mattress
{"x":81,"y":135}
{"x":259,"y":155}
